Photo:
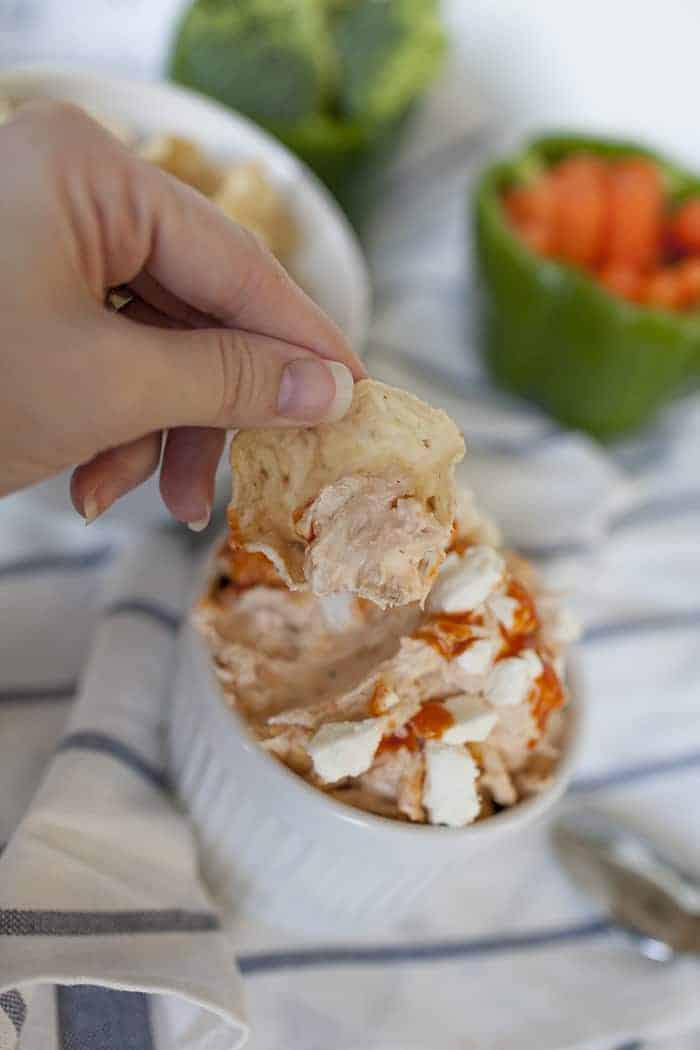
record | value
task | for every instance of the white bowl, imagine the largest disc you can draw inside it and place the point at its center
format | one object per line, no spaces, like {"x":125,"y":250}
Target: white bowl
{"x":274,"y":845}
{"x":328,"y":262}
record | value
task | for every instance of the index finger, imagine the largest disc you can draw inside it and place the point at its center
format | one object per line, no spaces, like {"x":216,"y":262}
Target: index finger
{"x":222,"y":269}
{"x":130,"y":217}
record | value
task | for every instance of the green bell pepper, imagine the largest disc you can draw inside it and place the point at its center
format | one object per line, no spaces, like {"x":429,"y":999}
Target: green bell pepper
{"x":335,"y":80}
{"x":552,"y":333}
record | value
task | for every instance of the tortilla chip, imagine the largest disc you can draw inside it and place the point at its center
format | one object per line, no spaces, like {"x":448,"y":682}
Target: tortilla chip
{"x":184,"y":159}
{"x":385,"y":470}
{"x":248,"y":197}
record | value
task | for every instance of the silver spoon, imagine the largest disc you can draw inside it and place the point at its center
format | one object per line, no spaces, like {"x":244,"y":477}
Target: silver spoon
{"x":648,"y":896}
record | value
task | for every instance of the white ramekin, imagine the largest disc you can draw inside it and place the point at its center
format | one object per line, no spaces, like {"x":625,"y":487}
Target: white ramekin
{"x":273,"y":845}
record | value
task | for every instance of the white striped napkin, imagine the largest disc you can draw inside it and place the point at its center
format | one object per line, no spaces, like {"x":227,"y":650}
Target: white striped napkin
{"x":99,"y":884}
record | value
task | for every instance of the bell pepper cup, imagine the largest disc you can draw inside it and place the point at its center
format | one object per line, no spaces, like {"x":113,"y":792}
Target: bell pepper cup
{"x":553,"y":332}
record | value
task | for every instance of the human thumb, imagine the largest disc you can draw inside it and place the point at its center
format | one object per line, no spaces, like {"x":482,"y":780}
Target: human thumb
{"x":220,"y":377}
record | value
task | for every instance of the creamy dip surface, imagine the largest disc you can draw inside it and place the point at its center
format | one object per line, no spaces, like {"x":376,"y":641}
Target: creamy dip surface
{"x":443,"y":714}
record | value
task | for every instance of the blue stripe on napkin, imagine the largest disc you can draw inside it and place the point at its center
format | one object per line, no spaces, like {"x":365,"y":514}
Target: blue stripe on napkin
{"x":95,"y":1018}
{"x":104,"y":744}
{"x":44,"y":563}
{"x":639,"y":771}
{"x":662,"y":508}
{"x":550,"y":551}
{"x":439,"y":951}
{"x":13,"y":1004}
{"x":139,"y":607}
{"x":670,"y":621}
{"x":36,"y":693}
{"x":25,"y":922}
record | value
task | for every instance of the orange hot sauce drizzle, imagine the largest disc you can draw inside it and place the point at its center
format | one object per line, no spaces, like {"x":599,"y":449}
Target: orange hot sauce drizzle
{"x":526,"y":619}
{"x":377,"y":705}
{"x":394,"y":742}
{"x":364,"y":605}
{"x":252,"y":569}
{"x":299,"y":513}
{"x":431,"y":721}
{"x":526,"y":625}
{"x":458,"y":544}
{"x":235,"y":537}
{"x":548,"y":696}
{"x":427,"y":724}
{"x":449,"y":633}
{"x":245,"y":569}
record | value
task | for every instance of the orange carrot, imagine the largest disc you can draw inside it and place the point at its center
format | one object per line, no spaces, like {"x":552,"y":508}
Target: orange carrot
{"x":636,"y":212}
{"x":533,"y":203}
{"x":684,"y":226}
{"x":538,"y":237}
{"x":689,"y":280}
{"x":624,"y":281}
{"x":664,"y":287}
{"x":581,"y":208}
{"x":608,"y":217}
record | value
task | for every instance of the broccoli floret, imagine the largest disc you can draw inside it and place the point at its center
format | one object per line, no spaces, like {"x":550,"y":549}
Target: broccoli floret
{"x":271,"y":59}
{"x":334,"y":79}
{"x":389,"y":51}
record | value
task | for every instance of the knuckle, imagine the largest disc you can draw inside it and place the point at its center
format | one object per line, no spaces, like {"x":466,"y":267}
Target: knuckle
{"x":235,"y":367}
{"x":245,"y":395}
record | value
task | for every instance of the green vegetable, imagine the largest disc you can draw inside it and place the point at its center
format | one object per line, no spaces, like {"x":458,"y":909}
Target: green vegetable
{"x":389,"y":51}
{"x":333,"y":79}
{"x":271,"y":59}
{"x":552,"y":333}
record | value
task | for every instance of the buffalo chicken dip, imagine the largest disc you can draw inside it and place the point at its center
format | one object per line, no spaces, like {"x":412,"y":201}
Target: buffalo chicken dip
{"x":440,"y":713}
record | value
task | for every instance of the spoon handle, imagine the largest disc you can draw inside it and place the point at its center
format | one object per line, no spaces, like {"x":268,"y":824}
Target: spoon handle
{"x":647,"y":894}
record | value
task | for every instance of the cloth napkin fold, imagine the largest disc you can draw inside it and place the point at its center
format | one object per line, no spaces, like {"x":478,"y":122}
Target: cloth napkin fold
{"x":99,"y":884}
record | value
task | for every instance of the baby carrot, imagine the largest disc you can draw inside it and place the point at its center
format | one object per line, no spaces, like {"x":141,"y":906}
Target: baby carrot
{"x":581,"y":208}
{"x":636,"y":213}
{"x":533,"y":203}
{"x":684,"y":226}
{"x":625,"y":281}
{"x":664,"y":287}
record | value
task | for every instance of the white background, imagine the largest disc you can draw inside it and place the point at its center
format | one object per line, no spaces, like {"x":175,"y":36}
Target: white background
{"x":628,"y":65}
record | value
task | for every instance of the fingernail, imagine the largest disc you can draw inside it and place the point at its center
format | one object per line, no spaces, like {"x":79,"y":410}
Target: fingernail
{"x":344,"y":386}
{"x":91,"y":509}
{"x":102,"y":498}
{"x":201,"y":523}
{"x":315,"y":391}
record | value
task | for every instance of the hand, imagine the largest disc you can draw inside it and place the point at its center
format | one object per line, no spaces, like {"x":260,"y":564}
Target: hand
{"x":219,"y":335}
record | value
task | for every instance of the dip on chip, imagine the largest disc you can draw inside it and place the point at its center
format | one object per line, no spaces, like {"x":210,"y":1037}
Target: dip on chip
{"x":364,"y":505}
